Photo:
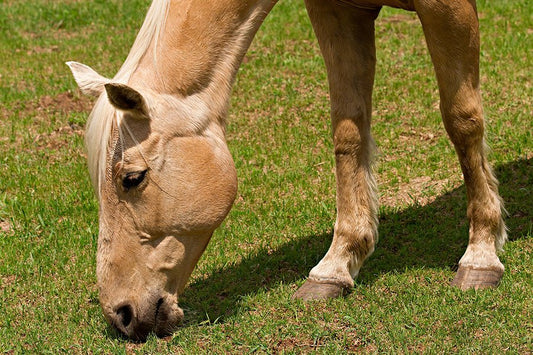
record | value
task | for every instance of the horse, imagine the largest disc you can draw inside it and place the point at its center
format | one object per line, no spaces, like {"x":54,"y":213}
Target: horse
{"x":164,"y":177}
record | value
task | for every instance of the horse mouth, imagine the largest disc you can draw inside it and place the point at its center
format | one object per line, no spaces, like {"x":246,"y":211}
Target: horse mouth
{"x":161,"y":326}
{"x":167,"y":317}
{"x":163,"y":318}
{"x":157,"y":308}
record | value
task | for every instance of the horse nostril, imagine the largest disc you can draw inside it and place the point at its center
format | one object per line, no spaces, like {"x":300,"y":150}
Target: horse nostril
{"x":124,"y":315}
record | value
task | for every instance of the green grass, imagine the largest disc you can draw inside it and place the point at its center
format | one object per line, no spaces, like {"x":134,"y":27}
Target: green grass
{"x":238,"y":299}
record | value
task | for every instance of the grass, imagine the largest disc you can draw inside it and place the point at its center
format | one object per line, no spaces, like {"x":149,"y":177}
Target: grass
{"x":238,"y":299}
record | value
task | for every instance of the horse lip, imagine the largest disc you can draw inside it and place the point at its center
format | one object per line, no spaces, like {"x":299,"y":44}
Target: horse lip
{"x":168,"y":316}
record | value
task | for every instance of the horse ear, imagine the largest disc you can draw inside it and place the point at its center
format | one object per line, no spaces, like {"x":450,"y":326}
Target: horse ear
{"x":127,"y":99}
{"x":90,"y":82}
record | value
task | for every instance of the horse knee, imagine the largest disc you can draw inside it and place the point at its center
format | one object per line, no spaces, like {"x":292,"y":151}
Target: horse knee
{"x":464,"y":123}
{"x":352,"y":139}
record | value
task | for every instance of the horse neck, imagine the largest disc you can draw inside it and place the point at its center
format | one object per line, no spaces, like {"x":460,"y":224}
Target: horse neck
{"x":200,"y":50}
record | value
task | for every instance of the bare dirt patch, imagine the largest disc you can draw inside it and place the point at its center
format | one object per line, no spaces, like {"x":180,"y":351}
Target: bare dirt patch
{"x":43,"y":111}
{"x":420,"y":191}
{"x":65,"y":103}
{"x":6,"y":227}
{"x":42,"y":50}
{"x":405,"y":18}
{"x":59,"y":138}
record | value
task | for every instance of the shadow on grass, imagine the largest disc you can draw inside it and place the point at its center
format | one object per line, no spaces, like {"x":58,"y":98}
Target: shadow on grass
{"x":434,"y":235}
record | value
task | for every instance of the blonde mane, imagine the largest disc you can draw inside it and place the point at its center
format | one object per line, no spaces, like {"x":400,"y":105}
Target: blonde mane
{"x":104,"y":116}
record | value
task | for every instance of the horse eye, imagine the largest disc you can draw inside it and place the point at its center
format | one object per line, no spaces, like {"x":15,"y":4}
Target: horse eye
{"x":133,"y":179}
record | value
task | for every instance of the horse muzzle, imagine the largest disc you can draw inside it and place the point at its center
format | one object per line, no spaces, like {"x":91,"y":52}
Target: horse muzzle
{"x":160,"y":315}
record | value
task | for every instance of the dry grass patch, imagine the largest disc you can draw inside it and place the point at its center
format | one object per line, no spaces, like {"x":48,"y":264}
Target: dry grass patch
{"x":419,"y":191}
{"x":6,"y":227}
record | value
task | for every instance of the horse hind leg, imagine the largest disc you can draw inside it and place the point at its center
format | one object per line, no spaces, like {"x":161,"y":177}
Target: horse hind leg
{"x":346,"y":38}
{"x":452,"y":35}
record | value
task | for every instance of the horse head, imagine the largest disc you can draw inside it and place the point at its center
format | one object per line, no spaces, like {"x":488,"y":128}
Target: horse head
{"x":167,"y":182}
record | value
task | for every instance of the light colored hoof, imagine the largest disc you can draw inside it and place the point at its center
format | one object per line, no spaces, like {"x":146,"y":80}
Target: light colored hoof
{"x":312,"y":290}
{"x":469,"y":278}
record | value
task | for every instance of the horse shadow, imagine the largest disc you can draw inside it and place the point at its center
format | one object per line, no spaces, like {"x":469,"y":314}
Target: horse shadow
{"x":429,"y":236}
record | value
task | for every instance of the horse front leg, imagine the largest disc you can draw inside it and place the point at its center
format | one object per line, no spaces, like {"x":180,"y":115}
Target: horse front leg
{"x":346,"y":38}
{"x":452,"y":34}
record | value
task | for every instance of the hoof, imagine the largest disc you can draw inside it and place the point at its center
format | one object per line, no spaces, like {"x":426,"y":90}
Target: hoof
{"x":312,"y":290}
{"x":469,"y":278}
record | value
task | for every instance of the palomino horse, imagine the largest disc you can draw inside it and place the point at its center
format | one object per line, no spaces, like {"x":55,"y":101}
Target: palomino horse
{"x":165,"y":179}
